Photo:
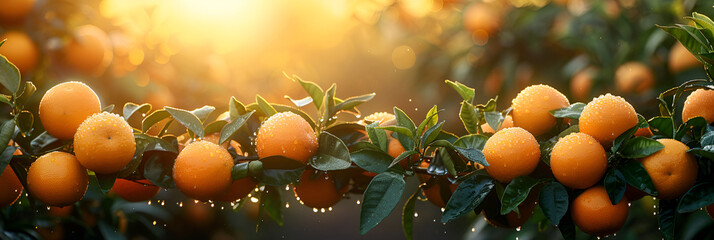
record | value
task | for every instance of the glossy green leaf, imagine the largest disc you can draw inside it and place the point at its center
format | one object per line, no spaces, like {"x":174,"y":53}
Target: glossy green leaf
{"x":131,"y":108}
{"x":400,"y":130}
{"x":475,"y":141}
{"x":381,"y":196}
{"x":240,"y":171}
{"x":516,"y":192}
{"x":353,"y":102}
{"x":312,"y":89}
{"x":6,"y":156}
{"x":279,"y":170}
{"x":332,"y":153}
{"x":300,"y":102}
{"x":663,"y":126}
{"x":466,"y":92}
{"x":154,"y":118}
{"x":6,"y":131}
{"x":9,"y":75}
{"x":667,"y":218}
{"x":106,"y":181}
{"x":573,"y":111}
{"x":615,"y":185}
{"x":371,"y":160}
{"x":698,"y":197}
{"x":187,"y":119}
{"x":272,"y":204}
{"x":431,"y":133}
{"x":203,"y":112}
{"x":423,"y":125}
{"x":264,"y":106}
{"x":640,"y":147}
{"x":402,"y":156}
{"x":377,"y":136}
{"x":469,"y":118}
{"x":236,"y":108}
{"x":553,"y":201}
{"x":467,"y":196}
{"x":636,"y":175}
{"x":230,"y":129}
{"x":408,"y":215}
{"x":494,"y":119}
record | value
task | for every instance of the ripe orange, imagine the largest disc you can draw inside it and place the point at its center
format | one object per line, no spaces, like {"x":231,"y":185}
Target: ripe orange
{"x":394,"y":147}
{"x":681,"y":59}
{"x":634,"y":77}
{"x":20,"y":50}
{"x":594,"y":214}
{"x":644,"y":132}
{"x":672,"y":169}
{"x":57,"y":179}
{"x":581,"y":84}
{"x":104,"y":143}
{"x":699,"y":104}
{"x":13,"y":11}
{"x":482,"y":20}
{"x":578,"y":161}
{"x":317,"y":192}
{"x":606,"y":117}
{"x":10,"y":187}
{"x":203,"y":170}
{"x":65,"y":106}
{"x":131,"y":191}
{"x":433,"y":194}
{"x":532,"y":105}
{"x":238,"y":189}
{"x":286,"y":134}
{"x":512,"y":219}
{"x":89,"y":51}
{"x":511,"y":152}
{"x":508,"y":122}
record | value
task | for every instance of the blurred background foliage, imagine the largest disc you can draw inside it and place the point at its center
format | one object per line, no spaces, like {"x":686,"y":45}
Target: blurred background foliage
{"x":189,"y":53}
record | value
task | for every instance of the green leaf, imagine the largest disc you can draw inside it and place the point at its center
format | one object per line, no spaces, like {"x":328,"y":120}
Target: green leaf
{"x":703,"y":21}
{"x":432,"y":112}
{"x":469,"y":118}
{"x":264,"y":106}
{"x":666,"y":217}
{"x":640,"y":147}
{"x":567,"y":227}
{"x":663,"y":126}
{"x":470,"y":153}
{"x":353,"y":102}
{"x":403,"y":120}
{"x":692,"y":39}
{"x":371,"y":160}
{"x":408,"y":215}
{"x":475,"y":141}
{"x":698,"y":197}
{"x":624,"y":137}
{"x":230,"y":129}
{"x":158,"y":168}
{"x":106,"y":181}
{"x":299,"y":102}
{"x":203,"y":112}
{"x":467,"y":196}
{"x":24,"y":121}
{"x":615,"y":185}
{"x":695,"y":125}
{"x":516,"y":192}
{"x":400,"y":130}
{"x":285,"y":108}
{"x":9,"y":75}
{"x":443,"y":156}
{"x":553,"y":201}
{"x":494,"y":119}
{"x":272,"y":204}
{"x":154,"y":118}
{"x":145,"y":143}
{"x":573,"y":111}
{"x":240,"y":171}
{"x":236,"y":108}
{"x":312,"y":89}
{"x":131,"y":108}
{"x":402,"y":156}
{"x":636,"y":175}
{"x":332,"y":153}
{"x":377,"y":136}
{"x":279,"y":170}
{"x":329,"y":106}
{"x":466,"y":92}
{"x":431,"y":134}
{"x":423,"y":125}
{"x":6,"y":131}
{"x":381,"y":196}
{"x":5,"y":99}
{"x":215,"y":127}
{"x":5,"y":157}
{"x":187,"y":119}
{"x":27,"y":92}
{"x":108,"y":108}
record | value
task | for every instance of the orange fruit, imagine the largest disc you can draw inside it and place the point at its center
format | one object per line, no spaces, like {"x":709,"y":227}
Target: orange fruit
{"x":286,"y":134}
{"x":20,"y":50}
{"x":698,"y":104}
{"x":60,"y":211}
{"x":681,"y":59}
{"x":89,"y":51}
{"x":482,"y":20}
{"x":672,"y":169}
{"x":10,"y":187}
{"x":507,"y":122}
{"x":634,"y":77}
{"x":14,"y":11}
{"x":532,"y":106}
{"x":594,"y":214}
{"x":644,"y":132}
{"x":317,"y":192}
{"x":57,"y":179}
{"x":433,"y":194}
{"x":581,"y":84}
{"x":512,"y":219}
{"x":238,"y":190}
{"x":578,"y":161}
{"x":104,"y":143}
{"x":203,"y":170}
{"x":135,"y":191}
{"x":606,"y":117}
{"x":510,"y":153}
{"x":65,"y":106}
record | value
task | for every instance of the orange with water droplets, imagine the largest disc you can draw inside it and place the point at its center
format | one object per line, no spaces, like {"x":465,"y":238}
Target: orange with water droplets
{"x":606,"y":117}
{"x":317,"y":190}
{"x":10,"y":187}
{"x":203,"y":170}
{"x":578,"y":161}
{"x":507,"y":122}
{"x":20,"y":50}
{"x":593,"y":212}
{"x":89,"y":51}
{"x":673,"y":170}
{"x":57,"y":179}
{"x":510,"y":153}
{"x":532,"y":106}
{"x":699,"y":104}
{"x":286,"y":134}
{"x":65,"y":106}
{"x":135,"y":191}
{"x":104,"y":143}
{"x":634,"y":77}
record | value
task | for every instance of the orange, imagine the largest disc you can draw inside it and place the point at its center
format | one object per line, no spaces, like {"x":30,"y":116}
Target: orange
{"x":104,"y":143}
{"x":238,"y":190}
{"x":482,"y":20}
{"x":634,"y":77}
{"x":507,"y":122}
{"x":203,"y":170}
{"x":606,"y":117}
{"x":681,"y":59}
{"x":65,"y":106}
{"x":57,"y":179}
{"x":20,"y":50}
{"x":510,"y":153}
{"x":135,"y":191}
{"x":286,"y":134}
{"x":699,"y":104}
{"x":532,"y":106}
{"x":581,"y":84}
{"x":14,"y":11}
{"x":644,"y":132}
{"x":60,"y":211}
{"x":672,"y":169}
{"x":578,"y":161}
{"x":10,"y":187}
{"x":594,"y":214}
{"x":317,"y":192}
{"x":89,"y":51}
{"x":512,"y":219}
{"x":433,"y":194}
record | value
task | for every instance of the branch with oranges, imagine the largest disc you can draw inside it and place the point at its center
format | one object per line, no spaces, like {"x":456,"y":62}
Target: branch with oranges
{"x":576,"y":161}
